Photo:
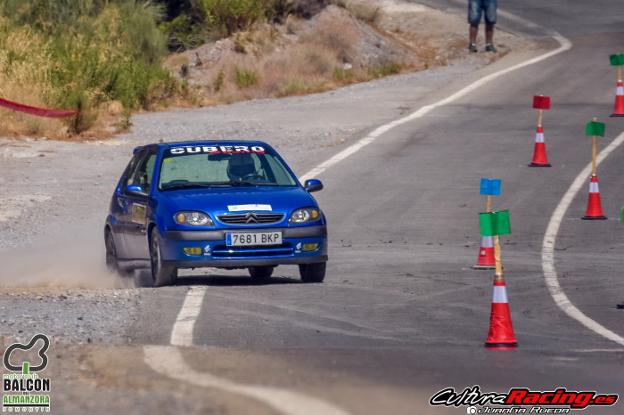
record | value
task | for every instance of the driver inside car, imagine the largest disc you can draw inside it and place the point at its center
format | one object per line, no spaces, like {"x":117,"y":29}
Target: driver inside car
{"x":241,"y":167}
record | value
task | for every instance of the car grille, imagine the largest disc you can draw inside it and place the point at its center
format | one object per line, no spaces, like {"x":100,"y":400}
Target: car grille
{"x":251,"y":218}
{"x":222,"y":251}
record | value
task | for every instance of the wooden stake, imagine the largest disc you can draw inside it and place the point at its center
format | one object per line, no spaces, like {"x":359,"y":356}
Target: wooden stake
{"x":540,"y":116}
{"x":488,"y":203}
{"x":619,"y":73}
{"x":594,"y":152}
{"x":497,"y":257}
{"x":593,"y":155}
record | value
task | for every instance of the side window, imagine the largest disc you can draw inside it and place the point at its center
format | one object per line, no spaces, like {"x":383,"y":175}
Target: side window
{"x":143,"y":171}
{"x":135,"y":163}
{"x":149,"y":167}
{"x":130,"y":167}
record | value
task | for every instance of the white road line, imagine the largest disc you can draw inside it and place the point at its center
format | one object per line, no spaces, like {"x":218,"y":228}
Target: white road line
{"x":598,"y":351}
{"x":564,"y":45}
{"x":168,"y":361}
{"x":182,"y":332}
{"x":291,"y":403}
{"x":548,"y":249}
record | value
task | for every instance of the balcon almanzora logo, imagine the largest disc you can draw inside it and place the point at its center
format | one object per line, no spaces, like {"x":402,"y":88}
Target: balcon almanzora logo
{"x":24,"y":390}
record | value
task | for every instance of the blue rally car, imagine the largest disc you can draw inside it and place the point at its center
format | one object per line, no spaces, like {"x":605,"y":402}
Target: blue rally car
{"x":224,"y":204}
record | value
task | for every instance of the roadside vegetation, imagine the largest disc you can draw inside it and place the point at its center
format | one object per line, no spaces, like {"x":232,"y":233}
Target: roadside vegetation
{"x":110,"y":58}
{"x":81,"y":54}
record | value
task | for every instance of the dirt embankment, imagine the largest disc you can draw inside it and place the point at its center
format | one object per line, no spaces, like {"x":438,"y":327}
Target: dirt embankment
{"x":348,"y":41}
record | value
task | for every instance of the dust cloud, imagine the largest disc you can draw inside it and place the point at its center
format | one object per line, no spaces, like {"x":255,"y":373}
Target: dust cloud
{"x":75,"y":260}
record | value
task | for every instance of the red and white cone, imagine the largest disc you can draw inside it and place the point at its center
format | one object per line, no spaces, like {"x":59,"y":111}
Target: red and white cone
{"x":486,"y":259}
{"x":618,"y":110}
{"x":501,"y":335}
{"x":594,"y":205}
{"x":540,"y":158}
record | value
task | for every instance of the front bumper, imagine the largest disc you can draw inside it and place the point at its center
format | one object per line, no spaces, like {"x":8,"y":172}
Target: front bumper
{"x":216,"y":254}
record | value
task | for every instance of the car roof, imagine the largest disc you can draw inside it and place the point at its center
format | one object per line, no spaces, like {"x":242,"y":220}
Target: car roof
{"x":171,"y":144}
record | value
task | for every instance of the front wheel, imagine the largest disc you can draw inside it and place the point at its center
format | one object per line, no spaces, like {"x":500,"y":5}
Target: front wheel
{"x":162,"y":274}
{"x":312,"y":272}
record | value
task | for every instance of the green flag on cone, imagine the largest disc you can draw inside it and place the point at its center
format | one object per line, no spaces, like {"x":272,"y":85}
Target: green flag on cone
{"x":595,"y":128}
{"x":495,"y":223}
{"x":617,"y":59}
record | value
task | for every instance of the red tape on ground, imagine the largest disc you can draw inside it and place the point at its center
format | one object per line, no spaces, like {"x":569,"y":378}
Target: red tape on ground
{"x":40,"y":112}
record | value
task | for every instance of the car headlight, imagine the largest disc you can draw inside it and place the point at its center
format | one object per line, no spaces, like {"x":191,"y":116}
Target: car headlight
{"x":305,"y":215}
{"x":193,"y":219}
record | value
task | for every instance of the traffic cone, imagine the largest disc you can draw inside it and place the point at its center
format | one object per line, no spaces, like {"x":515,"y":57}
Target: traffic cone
{"x":501,"y":334}
{"x":618,"y":111}
{"x":540,"y":159}
{"x":485,"y":260}
{"x":594,"y":206}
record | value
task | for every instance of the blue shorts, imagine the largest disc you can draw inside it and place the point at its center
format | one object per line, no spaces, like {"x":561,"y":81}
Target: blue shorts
{"x":478,"y":7}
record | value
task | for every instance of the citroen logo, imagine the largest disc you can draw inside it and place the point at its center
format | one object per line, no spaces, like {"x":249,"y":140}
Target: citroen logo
{"x":251,"y":218}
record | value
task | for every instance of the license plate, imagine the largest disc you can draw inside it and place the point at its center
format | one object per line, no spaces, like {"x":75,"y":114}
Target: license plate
{"x":253,"y":238}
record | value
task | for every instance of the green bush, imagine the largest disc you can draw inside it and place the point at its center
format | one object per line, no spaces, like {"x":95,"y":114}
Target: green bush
{"x":244,"y":78}
{"x":184,"y":33}
{"x":193,"y":22}
{"x":92,"y":51}
{"x":343,"y":75}
{"x":385,"y":69}
{"x":294,"y":86}
{"x":86,"y":116}
{"x":219,"y":81}
{"x":234,"y":15}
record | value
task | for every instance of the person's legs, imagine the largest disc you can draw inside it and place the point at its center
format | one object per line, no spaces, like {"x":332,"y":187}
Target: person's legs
{"x":490,"y":7}
{"x":489,"y":33}
{"x":475,"y":9}
{"x":474,"y":30}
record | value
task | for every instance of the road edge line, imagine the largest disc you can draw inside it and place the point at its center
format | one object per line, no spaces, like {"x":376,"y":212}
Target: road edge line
{"x":548,"y":249}
{"x":564,"y":45}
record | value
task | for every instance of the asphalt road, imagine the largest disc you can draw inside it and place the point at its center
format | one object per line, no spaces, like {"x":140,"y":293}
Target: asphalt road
{"x":401,"y":314}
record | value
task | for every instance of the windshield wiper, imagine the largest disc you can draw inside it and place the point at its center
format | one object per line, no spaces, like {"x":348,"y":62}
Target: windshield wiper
{"x":232,"y":183}
{"x":192,"y":185}
{"x":250,"y":183}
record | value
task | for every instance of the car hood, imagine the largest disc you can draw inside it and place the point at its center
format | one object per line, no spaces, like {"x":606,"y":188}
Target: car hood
{"x":233,"y":200}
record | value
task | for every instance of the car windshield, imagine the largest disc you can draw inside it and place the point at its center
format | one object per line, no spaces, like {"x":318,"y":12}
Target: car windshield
{"x":221,"y":166}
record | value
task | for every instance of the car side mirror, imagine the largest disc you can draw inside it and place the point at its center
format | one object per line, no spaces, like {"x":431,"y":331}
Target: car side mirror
{"x":135,"y":189}
{"x":313,"y":185}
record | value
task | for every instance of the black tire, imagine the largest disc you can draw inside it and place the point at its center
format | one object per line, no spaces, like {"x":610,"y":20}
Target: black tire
{"x":143,"y":278}
{"x":111,"y":252}
{"x":312,"y":272}
{"x":162,"y":274}
{"x":261,"y":273}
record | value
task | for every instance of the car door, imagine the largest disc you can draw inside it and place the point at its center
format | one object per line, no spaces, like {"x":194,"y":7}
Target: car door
{"x":119,"y":208}
{"x":136,"y":206}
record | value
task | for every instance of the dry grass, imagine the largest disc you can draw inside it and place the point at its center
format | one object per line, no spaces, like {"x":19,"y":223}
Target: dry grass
{"x":367,"y":11}
{"x":264,"y":62}
{"x":25,"y":82}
